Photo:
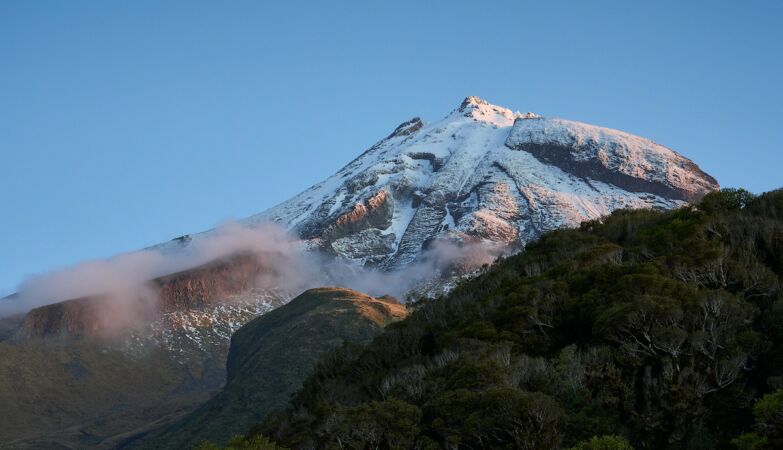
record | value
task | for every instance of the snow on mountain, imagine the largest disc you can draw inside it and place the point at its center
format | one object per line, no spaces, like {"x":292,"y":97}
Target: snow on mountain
{"x":482,"y":172}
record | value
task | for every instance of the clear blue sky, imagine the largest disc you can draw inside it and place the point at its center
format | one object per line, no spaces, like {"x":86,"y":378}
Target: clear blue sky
{"x":127,"y":123}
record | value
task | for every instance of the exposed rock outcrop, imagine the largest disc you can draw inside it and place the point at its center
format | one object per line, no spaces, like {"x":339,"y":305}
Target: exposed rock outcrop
{"x":484,"y":172}
{"x":629,"y":162}
{"x":215,"y":282}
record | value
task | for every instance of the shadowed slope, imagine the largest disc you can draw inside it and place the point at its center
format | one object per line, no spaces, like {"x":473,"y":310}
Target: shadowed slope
{"x":659,"y":327}
{"x":272,"y":355}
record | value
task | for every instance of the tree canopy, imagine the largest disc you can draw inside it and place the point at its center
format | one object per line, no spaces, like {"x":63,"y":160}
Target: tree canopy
{"x":646,"y":330}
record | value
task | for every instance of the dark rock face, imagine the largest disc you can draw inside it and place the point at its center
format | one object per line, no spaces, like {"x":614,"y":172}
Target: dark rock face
{"x":596,"y":169}
{"x":628,"y":162}
{"x":370,"y":242}
{"x":76,"y":317}
{"x":407,"y":128}
{"x":483,"y":172}
{"x":271,"y":356}
{"x":213,"y":282}
{"x":194,"y":288}
{"x":435,"y":162}
{"x":374,"y":212}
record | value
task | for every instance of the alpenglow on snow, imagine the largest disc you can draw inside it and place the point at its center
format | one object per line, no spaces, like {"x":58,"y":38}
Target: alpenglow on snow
{"x":481,"y":173}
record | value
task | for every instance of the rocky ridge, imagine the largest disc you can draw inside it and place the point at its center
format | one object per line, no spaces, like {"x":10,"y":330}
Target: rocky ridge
{"x":481,"y":173}
{"x":219,"y":296}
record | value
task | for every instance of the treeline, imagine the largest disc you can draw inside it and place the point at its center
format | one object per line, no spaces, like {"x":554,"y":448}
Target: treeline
{"x":646,"y":330}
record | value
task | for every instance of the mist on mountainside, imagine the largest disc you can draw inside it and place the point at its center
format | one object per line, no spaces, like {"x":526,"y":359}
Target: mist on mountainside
{"x":123,"y":281}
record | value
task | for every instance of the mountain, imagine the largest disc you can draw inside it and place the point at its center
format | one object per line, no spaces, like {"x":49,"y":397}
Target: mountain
{"x":82,"y":394}
{"x":271,"y":356}
{"x":646,"y":330}
{"x":482,"y":172}
{"x":483,"y":176}
{"x":73,"y":381}
{"x":220,"y":287}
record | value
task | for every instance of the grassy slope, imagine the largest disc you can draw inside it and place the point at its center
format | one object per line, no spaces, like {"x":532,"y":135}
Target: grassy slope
{"x":83,"y":394}
{"x":272,"y":355}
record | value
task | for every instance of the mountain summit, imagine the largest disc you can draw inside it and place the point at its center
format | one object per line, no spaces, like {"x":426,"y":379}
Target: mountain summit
{"x":483,"y":111}
{"x":482,"y":173}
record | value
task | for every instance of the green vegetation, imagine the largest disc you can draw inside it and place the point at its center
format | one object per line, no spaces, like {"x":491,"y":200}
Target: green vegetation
{"x":604,"y":443}
{"x":656,"y":330}
{"x":240,"y":442}
{"x":768,"y":412}
{"x":83,"y":394}
{"x":269,"y":359}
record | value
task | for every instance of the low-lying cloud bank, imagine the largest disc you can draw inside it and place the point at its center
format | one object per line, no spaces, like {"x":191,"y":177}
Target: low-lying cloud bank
{"x":123,"y":280}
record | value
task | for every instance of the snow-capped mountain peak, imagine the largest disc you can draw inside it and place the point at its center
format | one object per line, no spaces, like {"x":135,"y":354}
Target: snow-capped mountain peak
{"x":483,"y":111}
{"x":482,"y":173}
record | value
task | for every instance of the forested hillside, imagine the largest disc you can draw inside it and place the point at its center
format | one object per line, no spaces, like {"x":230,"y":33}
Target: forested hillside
{"x":272,"y":355}
{"x":654,"y":330}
